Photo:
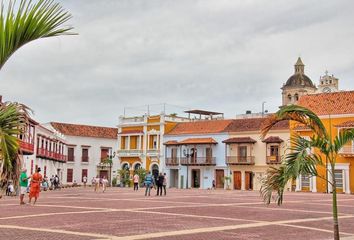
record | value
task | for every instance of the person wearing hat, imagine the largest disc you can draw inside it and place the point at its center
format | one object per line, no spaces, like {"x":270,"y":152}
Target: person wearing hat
{"x":23,"y":184}
{"x":36,"y":180}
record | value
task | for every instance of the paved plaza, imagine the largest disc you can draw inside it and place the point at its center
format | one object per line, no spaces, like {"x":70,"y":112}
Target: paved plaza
{"x":120,"y":213}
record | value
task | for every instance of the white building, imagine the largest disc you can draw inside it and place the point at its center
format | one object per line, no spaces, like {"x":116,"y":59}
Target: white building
{"x":89,"y":149}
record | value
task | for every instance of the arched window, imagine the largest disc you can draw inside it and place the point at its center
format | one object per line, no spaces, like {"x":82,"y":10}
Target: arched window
{"x":289,"y":97}
{"x":296,"y":97}
{"x":125,"y":166}
{"x":137,"y":166}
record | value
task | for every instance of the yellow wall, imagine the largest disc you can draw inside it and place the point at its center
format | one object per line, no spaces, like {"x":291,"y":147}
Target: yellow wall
{"x":330,"y":127}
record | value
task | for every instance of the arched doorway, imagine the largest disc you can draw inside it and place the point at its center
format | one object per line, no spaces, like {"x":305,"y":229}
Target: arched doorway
{"x":137,"y":166}
{"x":125,"y":166}
{"x":155,"y":170}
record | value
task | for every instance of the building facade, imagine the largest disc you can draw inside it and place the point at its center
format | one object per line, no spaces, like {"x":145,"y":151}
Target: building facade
{"x":336,"y":111}
{"x":90,"y":151}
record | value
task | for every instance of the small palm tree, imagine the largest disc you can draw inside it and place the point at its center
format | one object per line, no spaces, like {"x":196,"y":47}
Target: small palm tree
{"x":300,"y":161}
{"x":28,"y":22}
{"x":13,"y":122}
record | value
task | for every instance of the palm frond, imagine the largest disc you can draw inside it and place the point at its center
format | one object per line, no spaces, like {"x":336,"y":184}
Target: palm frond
{"x":298,"y":114}
{"x":13,"y":122}
{"x":27,"y":22}
{"x":342,"y":139}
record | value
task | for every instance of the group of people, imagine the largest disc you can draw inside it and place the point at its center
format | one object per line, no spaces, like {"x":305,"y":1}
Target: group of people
{"x":35,"y":180}
{"x":159,"y":182}
{"x":54,"y":182}
{"x":99,"y":182}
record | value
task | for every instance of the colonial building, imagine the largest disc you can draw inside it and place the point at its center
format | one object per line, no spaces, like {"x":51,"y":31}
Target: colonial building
{"x":140,"y":141}
{"x":297,"y":85}
{"x":336,"y":111}
{"x":195,"y":154}
{"x":90,"y":151}
{"x":328,"y":83}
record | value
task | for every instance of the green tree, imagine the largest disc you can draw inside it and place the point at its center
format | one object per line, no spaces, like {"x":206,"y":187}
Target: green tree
{"x":300,"y":161}
{"x":13,"y":122}
{"x":141,"y":173}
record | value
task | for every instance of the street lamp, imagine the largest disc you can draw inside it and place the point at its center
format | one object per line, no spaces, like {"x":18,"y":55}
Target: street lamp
{"x":263,"y":103}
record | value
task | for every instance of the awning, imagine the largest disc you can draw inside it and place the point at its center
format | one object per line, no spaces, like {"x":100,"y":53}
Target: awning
{"x":273,"y":139}
{"x":240,"y":140}
{"x":347,"y":124}
{"x":190,"y":141}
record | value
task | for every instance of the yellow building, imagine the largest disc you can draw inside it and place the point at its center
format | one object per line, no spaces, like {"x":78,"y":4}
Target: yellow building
{"x":140,"y":140}
{"x":336,"y":110}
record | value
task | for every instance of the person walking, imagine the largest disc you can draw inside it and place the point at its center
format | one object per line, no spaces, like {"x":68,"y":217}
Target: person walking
{"x":159,"y":184}
{"x":23,"y":185}
{"x":97,"y":183}
{"x":84,"y":180}
{"x":104,"y":183}
{"x":136,"y":182}
{"x":164,"y":183}
{"x":148,"y":183}
{"x":36,"y":180}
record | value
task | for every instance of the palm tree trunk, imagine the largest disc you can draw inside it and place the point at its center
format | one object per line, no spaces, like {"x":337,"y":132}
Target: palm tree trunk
{"x":334,"y":206}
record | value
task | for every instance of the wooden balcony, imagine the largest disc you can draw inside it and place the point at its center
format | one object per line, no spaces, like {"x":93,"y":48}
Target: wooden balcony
{"x":240,"y":160}
{"x":26,"y":148}
{"x":273,"y":159}
{"x":43,"y":153}
{"x":171,"y":161}
{"x":198,"y":161}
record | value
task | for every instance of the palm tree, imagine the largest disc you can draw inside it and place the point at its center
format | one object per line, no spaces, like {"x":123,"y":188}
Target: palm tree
{"x":20,"y":24}
{"x":300,"y":161}
{"x":13,"y":122}
{"x":28,"y":22}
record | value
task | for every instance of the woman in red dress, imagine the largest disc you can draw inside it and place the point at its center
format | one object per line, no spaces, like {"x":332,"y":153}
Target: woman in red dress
{"x":36,"y":180}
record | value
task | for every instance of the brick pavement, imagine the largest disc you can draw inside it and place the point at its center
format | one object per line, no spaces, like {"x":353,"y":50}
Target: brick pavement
{"x":79,"y":213}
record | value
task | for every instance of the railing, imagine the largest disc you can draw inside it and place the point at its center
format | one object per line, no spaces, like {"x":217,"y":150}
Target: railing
{"x":130,"y":152}
{"x":240,"y":160}
{"x":347,"y":150}
{"x":51,"y":155}
{"x":26,"y":147}
{"x":153,"y":152}
{"x":171,"y":161}
{"x":273,"y":159}
{"x":198,"y":161}
{"x":132,"y":120}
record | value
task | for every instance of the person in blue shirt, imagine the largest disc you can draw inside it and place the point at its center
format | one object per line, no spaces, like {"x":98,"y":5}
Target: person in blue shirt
{"x":149,"y":182}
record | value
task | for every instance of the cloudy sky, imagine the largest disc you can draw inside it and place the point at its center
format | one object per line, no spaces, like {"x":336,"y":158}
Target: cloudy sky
{"x":218,"y":55}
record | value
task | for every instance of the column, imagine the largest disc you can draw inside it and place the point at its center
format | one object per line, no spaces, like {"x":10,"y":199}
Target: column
{"x":243,"y":180}
{"x":346,"y":180}
{"x":128,"y":143}
{"x":298,"y":184}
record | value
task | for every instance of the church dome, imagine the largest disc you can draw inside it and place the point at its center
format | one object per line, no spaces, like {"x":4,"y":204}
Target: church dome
{"x":299,"y":79}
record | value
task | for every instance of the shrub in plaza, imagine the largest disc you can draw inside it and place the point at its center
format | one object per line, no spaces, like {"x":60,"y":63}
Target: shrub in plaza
{"x":141,"y":173}
{"x":124,"y":177}
{"x":300,"y":161}
{"x":21,"y":23}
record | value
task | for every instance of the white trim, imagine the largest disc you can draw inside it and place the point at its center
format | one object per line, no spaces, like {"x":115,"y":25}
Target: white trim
{"x":346,"y":181}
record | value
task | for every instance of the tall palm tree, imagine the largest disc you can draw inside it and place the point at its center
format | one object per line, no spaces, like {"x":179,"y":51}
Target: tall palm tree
{"x":20,"y":24}
{"x":301,"y":161}
{"x":24,"y":22}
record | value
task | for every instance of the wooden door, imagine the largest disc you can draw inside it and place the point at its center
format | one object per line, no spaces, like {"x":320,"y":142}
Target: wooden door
{"x":248,"y":181}
{"x":237,"y":180}
{"x":219,"y":173}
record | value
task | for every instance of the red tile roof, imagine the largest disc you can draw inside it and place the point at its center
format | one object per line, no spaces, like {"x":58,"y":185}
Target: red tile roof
{"x":198,"y":141}
{"x":172,"y":142}
{"x":85,"y":130}
{"x":273,"y":139}
{"x":329,"y":103}
{"x":240,"y":140}
{"x":200,"y":127}
{"x":349,"y":124}
{"x":253,"y":124}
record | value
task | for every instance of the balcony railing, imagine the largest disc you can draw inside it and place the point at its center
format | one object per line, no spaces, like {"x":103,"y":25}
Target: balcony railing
{"x":153,"y":152}
{"x":273,"y":159}
{"x":171,"y":161}
{"x":26,"y":148}
{"x":51,"y":155}
{"x":198,"y":161}
{"x":240,"y":160}
{"x":347,"y":150}
{"x":129,"y":153}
